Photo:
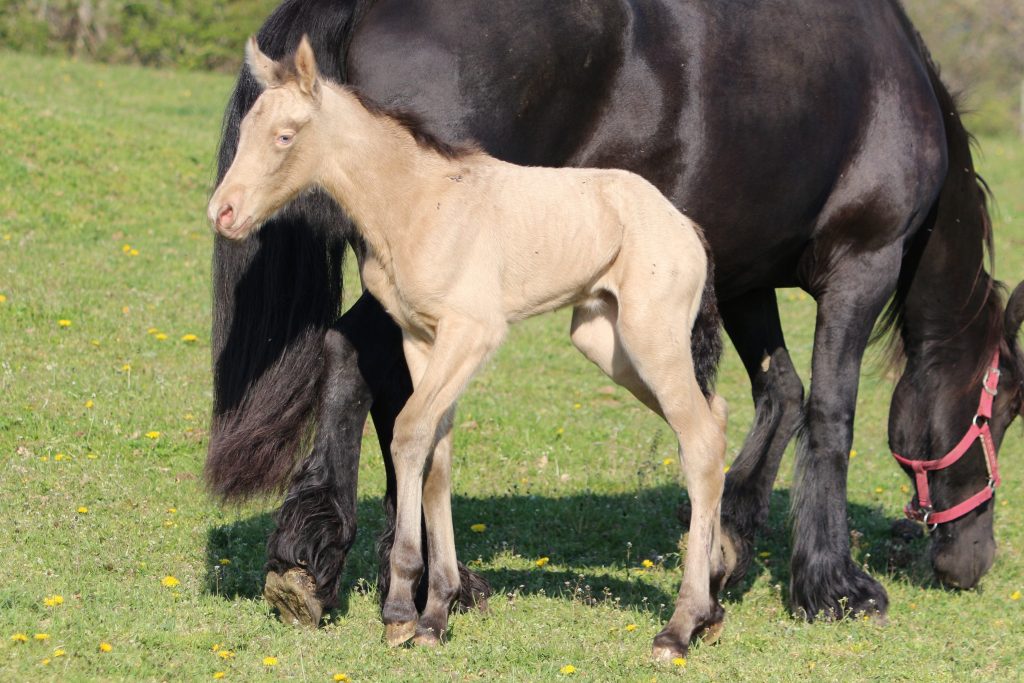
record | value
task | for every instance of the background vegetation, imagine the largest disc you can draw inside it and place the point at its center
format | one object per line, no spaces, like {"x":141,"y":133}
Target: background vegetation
{"x":115,"y":565}
{"x":979,"y":43}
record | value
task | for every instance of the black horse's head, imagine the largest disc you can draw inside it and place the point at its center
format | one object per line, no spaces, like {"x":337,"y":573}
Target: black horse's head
{"x":963,"y":545}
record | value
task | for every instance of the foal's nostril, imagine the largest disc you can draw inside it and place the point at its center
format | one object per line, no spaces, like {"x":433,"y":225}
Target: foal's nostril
{"x":225,"y":216}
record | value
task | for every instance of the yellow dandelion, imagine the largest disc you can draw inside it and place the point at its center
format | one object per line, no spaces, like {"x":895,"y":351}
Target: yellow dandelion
{"x":152,"y":330}
{"x":82,"y":510}
{"x":127,"y":367}
{"x":1015,"y":595}
{"x":89,"y":404}
{"x":667,"y":461}
{"x":341,"y":678}
{"x":126,"y":309}
{"x":879,"y":489}
{"x":3,"y":298}
{"x":679,"y":661}
{"x":92,"y":456}
{"x":577,"y":406}
{"x":169,"y":581}
{"x":153,"y":435}
{"x":126,"y":248}
{"x":542,"y":561}
{"x":64,"y":322}
{"x":560,"y":431}
{"x":478,"y":528}
{"x":172,"y":511}
{"x":45,"y":661}
{"x":94,"y":342}
{"x":159,"y":336}
{"x":225,"y":654}
{"x":58,"y":457}
{"x":59,"y":653}
{"x":224,"y":561}
{"x":725,"y":469}
{"x":568,"y":669}
{"x":19,"y":638}
{"x":853,"y":454}
{"x":218,"y":674}
{"x":647,"y":564}
{"x":215,"y":647}
{"x":44,"y":458}
{"x":106,"y":647}
{"x":270,"y":661}
{"x":630,"y":627}
{"x":189,"y":338}
{"x":42,"y":636}
{"x":53,"y":600}
{"x":133,"y":252}
{"x":764,"y":554}
{"x":904,"y":488}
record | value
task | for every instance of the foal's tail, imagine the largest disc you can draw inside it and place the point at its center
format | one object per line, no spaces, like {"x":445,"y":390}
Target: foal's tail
{"x":706,"y":337}
{"x":275,"y":294}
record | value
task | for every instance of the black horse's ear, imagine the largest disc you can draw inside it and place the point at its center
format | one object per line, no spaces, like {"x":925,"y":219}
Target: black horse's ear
{"x":1014,"y":312}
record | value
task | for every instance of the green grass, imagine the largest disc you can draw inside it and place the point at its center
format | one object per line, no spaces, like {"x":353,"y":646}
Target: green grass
{"x":555,"y":462}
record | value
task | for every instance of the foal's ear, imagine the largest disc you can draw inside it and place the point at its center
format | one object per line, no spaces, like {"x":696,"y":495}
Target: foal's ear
{"x":305,"y":67}
{"x":263,"y":68}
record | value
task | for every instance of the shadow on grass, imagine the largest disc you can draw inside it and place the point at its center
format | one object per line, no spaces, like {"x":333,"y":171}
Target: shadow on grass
{"x":596,"y":544}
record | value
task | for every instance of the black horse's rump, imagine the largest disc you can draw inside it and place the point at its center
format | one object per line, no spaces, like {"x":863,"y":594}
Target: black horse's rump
{"x":811,"y":139}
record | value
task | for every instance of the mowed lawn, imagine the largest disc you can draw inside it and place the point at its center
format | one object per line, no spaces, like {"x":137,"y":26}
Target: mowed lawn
{"x":115,"y":564}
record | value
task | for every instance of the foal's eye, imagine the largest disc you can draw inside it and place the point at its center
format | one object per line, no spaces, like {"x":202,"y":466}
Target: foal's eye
{"x":285,"y":139}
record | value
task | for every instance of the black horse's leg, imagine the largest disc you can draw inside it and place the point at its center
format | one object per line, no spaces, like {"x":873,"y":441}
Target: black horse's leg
{"x":316,"y":524}
{"x":824,"y":579}
{"x":752,"y":322}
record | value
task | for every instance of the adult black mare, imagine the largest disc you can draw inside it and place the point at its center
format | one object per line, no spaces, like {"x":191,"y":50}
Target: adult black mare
{"x":813,"y":141}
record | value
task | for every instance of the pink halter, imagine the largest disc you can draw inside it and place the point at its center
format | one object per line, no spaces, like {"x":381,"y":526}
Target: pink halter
{"x":979,"y":429}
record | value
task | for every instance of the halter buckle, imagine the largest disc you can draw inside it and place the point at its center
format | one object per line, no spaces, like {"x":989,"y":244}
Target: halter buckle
{"x":994,"y":391}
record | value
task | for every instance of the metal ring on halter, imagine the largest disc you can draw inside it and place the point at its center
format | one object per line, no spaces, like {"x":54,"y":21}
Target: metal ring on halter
{"x":976,"y":419}
{"x":991,"y":484}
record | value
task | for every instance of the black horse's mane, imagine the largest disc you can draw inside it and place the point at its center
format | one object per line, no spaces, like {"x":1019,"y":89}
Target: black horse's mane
{"x":972,"y":204}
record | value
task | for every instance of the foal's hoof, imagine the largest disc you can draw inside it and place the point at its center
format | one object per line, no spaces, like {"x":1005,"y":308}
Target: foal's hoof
{"x":668,"y":648}
{"x":293,"y":594}
{"x":710,"y":634}
{"x":399,"y":633}
{"x":427,"y":637}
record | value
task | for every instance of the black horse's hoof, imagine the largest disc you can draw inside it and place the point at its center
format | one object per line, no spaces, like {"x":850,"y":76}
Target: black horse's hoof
{"x":845,"y":591}
{"x":293,"y":594}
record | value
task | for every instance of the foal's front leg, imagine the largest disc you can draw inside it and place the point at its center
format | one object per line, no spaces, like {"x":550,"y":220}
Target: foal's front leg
{"x":448,"y":363}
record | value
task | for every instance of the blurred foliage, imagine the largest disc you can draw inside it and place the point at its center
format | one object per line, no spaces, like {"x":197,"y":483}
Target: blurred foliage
{"x":188,"y":34}
{"x":978,"y":43}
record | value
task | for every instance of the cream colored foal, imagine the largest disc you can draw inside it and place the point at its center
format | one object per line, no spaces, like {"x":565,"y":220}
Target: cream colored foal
{"x":459,"y":245}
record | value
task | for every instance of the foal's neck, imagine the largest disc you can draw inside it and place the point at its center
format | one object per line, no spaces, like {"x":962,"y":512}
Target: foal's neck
{"x":375,"y":168}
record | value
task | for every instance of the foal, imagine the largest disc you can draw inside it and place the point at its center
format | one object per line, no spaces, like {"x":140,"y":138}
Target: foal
{"x":459,"y":245}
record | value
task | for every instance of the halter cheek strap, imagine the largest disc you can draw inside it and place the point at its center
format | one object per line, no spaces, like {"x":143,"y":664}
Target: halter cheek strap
{"x":979,"y":430}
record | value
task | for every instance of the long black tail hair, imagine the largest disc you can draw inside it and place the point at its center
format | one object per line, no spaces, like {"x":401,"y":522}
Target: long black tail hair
{"x":275,"y":294}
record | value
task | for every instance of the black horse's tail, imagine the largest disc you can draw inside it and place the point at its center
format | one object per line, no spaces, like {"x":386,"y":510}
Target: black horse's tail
{"x":961,"y":208}
{"x":274,"y":294}
{"x":706,"y":337}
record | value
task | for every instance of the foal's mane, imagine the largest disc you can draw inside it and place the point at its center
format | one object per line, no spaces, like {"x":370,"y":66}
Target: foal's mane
{"x":414,"y":125}
{"x":285,"y":71}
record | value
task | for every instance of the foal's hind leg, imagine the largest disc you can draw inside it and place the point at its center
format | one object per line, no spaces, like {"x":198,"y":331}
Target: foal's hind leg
{"x":660,"y":373}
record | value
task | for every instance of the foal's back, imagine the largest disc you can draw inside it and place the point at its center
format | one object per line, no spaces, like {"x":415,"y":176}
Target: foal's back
{"x":544,"y":238}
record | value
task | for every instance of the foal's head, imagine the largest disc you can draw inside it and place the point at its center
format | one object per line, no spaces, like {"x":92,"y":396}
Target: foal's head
{"x":280,"y":147}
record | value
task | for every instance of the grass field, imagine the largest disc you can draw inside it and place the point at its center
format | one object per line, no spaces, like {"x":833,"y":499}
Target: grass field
{"x":103,"y":177}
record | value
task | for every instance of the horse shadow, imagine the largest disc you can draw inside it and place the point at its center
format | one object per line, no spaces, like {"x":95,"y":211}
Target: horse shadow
{"x":595,"y":544}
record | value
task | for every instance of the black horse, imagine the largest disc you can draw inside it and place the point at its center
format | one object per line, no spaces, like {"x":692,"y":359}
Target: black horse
{"x":812,"y":139}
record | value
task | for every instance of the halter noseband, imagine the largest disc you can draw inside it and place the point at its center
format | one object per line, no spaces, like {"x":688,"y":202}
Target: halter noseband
{"x":979,"y":429}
